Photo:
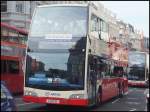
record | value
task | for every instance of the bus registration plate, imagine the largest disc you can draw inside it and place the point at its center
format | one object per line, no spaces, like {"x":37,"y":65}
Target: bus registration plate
{"x":52,"y":101}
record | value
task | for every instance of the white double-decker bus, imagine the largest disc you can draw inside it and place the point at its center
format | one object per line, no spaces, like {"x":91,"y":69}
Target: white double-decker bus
{"x":67,"y":61}
{"x":138,"y":71}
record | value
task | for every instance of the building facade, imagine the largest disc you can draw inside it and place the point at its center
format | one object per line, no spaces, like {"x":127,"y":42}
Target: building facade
{"x":16,"y":13}
{"x":19,"y":13}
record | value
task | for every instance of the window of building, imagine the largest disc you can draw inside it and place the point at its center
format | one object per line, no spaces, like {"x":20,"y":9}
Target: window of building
{"x":104,"y":26}
{"x":19,"y":7}
{"x":3,"y":6}
{"x":94,"y":23}
{"x":4,"y":31}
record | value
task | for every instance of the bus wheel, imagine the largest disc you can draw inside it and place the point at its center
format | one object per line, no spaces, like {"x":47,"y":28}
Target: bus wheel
{"x":99,"y":98}
{"x":121,"y":93}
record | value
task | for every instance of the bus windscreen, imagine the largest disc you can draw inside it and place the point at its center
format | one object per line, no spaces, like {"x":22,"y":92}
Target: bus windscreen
{"x":56,"y":49}
{"x":137,"y":63}
{"x":59,"y":20}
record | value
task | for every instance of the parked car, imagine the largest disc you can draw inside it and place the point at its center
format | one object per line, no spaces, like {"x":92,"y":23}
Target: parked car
{"x":7,"y":101}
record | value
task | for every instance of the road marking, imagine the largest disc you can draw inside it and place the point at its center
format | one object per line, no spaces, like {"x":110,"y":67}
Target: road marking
{"x":135,"y":103}
{"x":132,"y":109}
{"x":130,"y":91}
{"x":24,"y":104}
{"x":131,"y":98}
{"x":115,"y":100}
{"x":18,"y":98}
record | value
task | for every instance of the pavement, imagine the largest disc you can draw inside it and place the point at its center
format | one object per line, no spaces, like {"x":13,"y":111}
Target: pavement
{"x":135,"y":100}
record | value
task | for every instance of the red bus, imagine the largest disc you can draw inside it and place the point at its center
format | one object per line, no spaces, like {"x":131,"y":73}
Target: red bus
{"x":13,"y":45}
{"x":67,"y":60}
{"x":138,"y":69}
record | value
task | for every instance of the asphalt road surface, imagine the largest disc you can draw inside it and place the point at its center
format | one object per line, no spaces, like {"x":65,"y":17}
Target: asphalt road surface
{"x":135,"y":100}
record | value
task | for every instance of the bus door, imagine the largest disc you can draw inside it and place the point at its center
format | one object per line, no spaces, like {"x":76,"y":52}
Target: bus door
{"x":92,"y":81}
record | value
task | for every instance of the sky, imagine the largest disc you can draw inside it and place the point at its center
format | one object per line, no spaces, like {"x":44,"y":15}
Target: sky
{"x":134,"y":12}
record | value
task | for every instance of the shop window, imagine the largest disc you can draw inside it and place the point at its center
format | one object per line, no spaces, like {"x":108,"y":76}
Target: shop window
{"x":19,"y":7}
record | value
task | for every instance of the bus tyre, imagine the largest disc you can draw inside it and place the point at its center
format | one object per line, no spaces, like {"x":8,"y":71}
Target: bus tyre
{"x":99,"y":98}
{"x":121,"y":93}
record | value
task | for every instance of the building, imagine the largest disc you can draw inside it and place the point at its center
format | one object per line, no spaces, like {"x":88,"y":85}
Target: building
{"x":19,"y":13}
{"x":16,"y":13}
{"x":129,"y":36}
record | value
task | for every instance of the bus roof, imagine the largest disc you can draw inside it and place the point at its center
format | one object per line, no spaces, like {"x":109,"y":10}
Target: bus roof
{"x":78,"y":5}
{"x":24,"y":32}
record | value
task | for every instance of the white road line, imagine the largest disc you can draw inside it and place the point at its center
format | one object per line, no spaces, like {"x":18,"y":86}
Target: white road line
{"x":134,"y":103}
{"x":130,"y":91}
{"x":131,"y":98}
{"x":132,"y":109}
{"x":18,"y":98}
{"x":24,"y":104}
{"x":115,"y":100}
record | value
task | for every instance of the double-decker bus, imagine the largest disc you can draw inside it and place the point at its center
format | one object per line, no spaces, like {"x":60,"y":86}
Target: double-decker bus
{"x":138,"y":71}
{"x":13,"y":46}
{"x":67,"y":60}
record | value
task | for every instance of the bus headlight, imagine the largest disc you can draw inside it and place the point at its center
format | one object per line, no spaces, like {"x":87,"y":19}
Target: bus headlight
{"x":30,"y":93}
{"x":76,"y":96}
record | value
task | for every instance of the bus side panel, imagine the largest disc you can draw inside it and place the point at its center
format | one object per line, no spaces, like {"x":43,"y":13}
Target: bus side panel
{"x":14,"y":82}
{"x":109,"y":88}
{"x":62,"y":101}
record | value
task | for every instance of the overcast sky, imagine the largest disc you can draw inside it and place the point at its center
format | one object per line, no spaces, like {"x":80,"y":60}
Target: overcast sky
{"x":134,"y":12}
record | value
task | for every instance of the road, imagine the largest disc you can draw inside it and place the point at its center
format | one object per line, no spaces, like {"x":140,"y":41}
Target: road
{"x":135,"y":100}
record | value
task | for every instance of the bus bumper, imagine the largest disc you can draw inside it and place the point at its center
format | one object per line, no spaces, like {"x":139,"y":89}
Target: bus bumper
{"x":58,"y":101}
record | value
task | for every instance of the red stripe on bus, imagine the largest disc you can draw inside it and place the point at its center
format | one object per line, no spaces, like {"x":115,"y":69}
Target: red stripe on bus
{"x":14,"y":28}
{"x":63,"y":101}
{"x":15,"y":58}
{"x":13,"y":44}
